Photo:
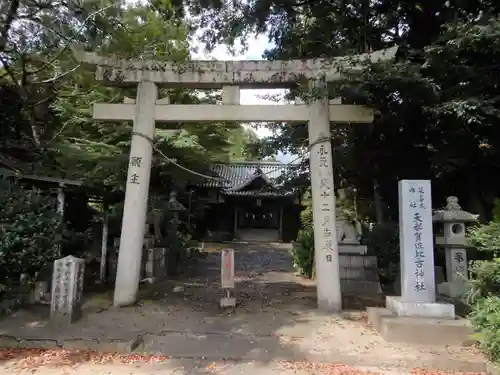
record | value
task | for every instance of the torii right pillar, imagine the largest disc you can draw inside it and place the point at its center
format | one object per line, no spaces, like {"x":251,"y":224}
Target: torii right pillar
{"x":326,"y":255}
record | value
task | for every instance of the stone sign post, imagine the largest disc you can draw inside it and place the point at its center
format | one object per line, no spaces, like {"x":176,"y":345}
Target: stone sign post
{"x":416,"y":317}
{"x":227,"y":277}
{"x":418,"y":290}
{"x":67,"y":290}
{"x":454,"y":221}
{"x":416,"y":241}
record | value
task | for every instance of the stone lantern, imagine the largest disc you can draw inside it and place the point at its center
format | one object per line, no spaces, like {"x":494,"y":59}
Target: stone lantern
{"x":173,"y":255}
{"x":174,"y":206}
{"x":454,"y":220}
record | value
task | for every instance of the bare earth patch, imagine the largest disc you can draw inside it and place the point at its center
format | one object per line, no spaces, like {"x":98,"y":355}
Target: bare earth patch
{"x":275,"y":329}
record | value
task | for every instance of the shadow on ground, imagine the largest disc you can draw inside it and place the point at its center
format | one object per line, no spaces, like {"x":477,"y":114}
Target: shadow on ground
{"x":275,"y":319}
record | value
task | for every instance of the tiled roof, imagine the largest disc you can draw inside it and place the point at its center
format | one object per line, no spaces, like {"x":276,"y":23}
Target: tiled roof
{"x":237,"y":174}
{"x":258,"y":194}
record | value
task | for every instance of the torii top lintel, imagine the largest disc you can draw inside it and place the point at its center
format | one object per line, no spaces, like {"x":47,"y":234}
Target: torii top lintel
{"x":215,"y":74}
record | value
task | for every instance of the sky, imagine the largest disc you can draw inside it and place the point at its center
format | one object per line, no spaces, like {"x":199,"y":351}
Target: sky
{"x":256,"y":47}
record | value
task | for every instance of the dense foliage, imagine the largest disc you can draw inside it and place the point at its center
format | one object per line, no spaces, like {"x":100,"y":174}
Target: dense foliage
{"x":438,"y":103}
{"x":47,"y":127}
{"x":30,"y":230}
{"x":485,"y":285}
{"x":383,"y":241}
{"x":47,"y":97}
{"x":303,"y":248}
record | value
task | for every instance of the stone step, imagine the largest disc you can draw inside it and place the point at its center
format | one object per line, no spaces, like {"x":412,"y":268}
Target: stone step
{"x":359,"y":274}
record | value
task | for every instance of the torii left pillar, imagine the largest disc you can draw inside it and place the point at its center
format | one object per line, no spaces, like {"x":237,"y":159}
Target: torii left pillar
{"x":136,"y":196}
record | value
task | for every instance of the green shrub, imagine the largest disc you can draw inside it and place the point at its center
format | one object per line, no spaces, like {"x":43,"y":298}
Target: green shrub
{"x":485,"y":274}
{"x":485,"y":284}
{"x":485,"y":317}
{"x":303,"y":248}
{"x":29,"y":231}
{"x":383,"y":241}
{"x":486,"y":238}
{"x":303,"y":252}
{"x":485,"y":279}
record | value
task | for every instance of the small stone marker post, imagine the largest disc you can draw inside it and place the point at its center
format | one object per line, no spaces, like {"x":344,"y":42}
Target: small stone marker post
{"x":418,"y":289}
{"x":227,"y":277}
{"x":67,"y":290}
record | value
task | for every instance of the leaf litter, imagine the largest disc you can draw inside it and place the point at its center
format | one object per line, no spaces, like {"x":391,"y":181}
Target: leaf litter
{"x":32,"y":359}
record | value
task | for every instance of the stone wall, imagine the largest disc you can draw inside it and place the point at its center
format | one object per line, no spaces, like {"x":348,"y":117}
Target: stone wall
{"x":359,"y":274}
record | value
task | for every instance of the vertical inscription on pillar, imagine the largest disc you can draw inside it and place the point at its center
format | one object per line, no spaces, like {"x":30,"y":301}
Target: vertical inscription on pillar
{"x":135,"y":162}
{"x":326,"y":191}
{"x":459,"y":263}
{"x":417,"y":250}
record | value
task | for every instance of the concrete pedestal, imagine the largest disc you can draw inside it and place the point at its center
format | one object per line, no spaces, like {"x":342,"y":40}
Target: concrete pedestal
{"x":420,"y":309}
{"x":427,"y":323}
{"x":421,"y":331}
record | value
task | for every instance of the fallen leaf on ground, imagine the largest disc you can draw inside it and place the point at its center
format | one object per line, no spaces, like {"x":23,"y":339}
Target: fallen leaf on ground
{"x":323,"y":368}
{"x":340,"y":369}
{"x":418,"y":371}
{"x":33,"y":358}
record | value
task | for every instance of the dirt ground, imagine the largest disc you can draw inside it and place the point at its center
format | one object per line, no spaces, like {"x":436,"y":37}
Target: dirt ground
{"x":275,"y":328}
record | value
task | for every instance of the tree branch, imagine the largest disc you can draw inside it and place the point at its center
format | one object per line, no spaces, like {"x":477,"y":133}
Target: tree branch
{"x":72,"y":39}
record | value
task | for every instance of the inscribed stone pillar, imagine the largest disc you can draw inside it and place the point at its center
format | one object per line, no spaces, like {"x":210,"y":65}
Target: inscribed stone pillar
{"x":323,"y":198}
{"x":136,"y":196}
{"x":67,"y":290}
{"x":416,"y":242}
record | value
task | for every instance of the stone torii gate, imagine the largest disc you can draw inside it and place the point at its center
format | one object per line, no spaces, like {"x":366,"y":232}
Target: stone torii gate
{"x":229,"y":76}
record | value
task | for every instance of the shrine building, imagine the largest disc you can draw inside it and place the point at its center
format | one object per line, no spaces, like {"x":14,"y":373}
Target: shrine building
{"x":250,"y":203}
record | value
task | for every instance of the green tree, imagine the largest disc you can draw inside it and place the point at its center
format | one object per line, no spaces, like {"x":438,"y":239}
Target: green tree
{"x":49,"y":97}
{"x":435,"y":118}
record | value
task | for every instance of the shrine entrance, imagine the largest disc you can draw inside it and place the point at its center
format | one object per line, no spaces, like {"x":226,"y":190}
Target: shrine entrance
{"x":258,"y":220}
{"x":229,"y":76}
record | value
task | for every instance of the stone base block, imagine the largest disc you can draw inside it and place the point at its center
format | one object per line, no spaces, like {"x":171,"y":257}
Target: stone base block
{"x":63,"y":319}
{"x":454,"y":289}
{"x":402,"y":308}
{"x":227,"y":302}
{"x":422,"y":331}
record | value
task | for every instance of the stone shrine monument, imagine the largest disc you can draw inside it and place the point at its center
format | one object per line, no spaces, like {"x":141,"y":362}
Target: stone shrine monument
{"x":67,"y":290}
{"x":416,"y":317}
{"x":454,"y":220}
{"x":229,"y":76}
